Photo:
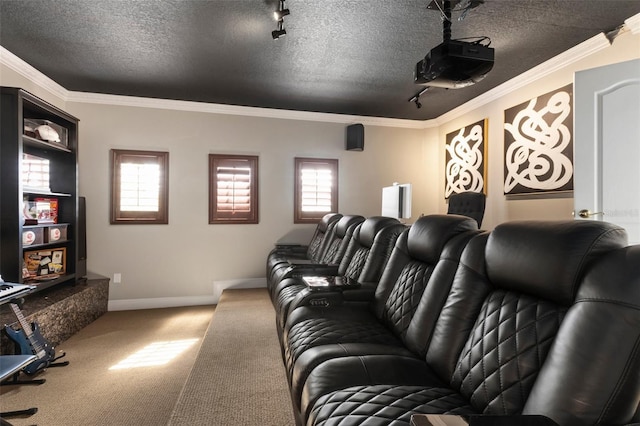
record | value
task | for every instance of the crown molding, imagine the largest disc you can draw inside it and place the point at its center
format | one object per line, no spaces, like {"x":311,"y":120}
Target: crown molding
{"x":30,"y":73}
{"x":134,"y":101}
{"x":584,"y":49}
{"x":564,"y":59}
{"x":633,"y":24}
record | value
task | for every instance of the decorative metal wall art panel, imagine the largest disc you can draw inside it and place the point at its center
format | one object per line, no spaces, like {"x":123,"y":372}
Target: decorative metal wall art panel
{"x":466,"y":159}
{"x":538,"y":144}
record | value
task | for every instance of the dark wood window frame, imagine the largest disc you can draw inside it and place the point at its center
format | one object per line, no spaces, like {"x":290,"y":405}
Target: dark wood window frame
{"x":301,"y":164}
{"x":236,"y":209}
{"x":139,"y":217}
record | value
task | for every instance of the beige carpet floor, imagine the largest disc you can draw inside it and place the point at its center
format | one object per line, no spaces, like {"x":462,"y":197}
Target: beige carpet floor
{"x":242,"y":380}
{"x":88,"y":392}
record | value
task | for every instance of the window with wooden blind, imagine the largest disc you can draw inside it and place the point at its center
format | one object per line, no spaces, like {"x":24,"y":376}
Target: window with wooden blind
{"x":233,"y":189}
{"x":316,"y":189}
{"x":139,"y":187}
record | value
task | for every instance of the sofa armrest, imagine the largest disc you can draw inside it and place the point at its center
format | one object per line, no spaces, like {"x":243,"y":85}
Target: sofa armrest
{"x":480,"y":420}
{"x":299,"y":269}
{"x":331,"y":295}
{"x":328,"y":297}
{"x":289,"y":245}
{"x":329,"y":283}
{"x":365,"y":292}
{"x":513,"y":420}
{"x":295,"y":249}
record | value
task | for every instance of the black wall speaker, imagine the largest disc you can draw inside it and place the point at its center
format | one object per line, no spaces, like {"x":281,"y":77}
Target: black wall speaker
{"x":355,"y":137}
{"x":81,"y":270}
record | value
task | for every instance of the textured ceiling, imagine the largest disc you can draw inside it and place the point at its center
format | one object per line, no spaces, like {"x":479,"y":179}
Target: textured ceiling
{"x":353,"y":57}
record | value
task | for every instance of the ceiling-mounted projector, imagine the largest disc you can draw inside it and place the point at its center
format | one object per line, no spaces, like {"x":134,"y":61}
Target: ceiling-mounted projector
{"x":454,"y":64}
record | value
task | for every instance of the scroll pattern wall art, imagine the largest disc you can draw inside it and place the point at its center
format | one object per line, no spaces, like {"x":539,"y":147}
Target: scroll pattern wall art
{"x":538,"y":144}
{"x":466,"y":159}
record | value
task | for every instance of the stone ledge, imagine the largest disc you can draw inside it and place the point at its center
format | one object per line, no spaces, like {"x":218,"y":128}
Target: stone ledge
{"x":60,"y":311}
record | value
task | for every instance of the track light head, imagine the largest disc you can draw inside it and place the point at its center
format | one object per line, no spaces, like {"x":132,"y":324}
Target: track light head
{"x":280,"y":32}
{"x":279,"y":14}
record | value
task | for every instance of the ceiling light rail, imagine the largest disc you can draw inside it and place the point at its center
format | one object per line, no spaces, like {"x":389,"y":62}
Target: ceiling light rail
{"x":463,"y":6}
{"x":279,"y":15}
{"x":416,"y":98}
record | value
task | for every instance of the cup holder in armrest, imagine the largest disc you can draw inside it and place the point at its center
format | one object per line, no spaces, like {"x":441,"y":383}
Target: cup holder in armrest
{"x":324,"y":283}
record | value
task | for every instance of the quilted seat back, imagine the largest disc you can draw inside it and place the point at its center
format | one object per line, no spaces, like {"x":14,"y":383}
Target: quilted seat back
{"x":321,"y":235}
{"x":509,"y":300}
{"x":417,"y":262}
{"x":277,"y":259}
{"x":370,"y":248}
{"x":340,"y":238}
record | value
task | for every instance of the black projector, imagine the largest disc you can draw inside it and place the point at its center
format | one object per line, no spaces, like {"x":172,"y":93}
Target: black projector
{"x":454,"y":64}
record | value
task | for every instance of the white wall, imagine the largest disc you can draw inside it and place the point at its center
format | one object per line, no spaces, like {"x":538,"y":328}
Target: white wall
{"x":184,"y":258}
{"x":173,"y":264}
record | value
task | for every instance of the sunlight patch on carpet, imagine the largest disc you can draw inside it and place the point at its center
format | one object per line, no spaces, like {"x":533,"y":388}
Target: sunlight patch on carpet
{"x":155,"y":354}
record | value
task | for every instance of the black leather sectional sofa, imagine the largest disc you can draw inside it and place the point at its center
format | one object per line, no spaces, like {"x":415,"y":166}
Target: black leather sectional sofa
{"x":532,"y":323}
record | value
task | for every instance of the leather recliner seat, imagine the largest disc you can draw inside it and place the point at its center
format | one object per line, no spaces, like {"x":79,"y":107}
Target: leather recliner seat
{"x":359,"y":269}
{"x":542,"y":318}
{"x":313,"y":251}
{"x":423,"y":261}
{"x":333,"y":251}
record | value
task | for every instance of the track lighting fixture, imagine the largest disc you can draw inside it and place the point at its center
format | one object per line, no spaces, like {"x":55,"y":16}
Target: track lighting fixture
{"x":281,"y":12}
{"x":279,"y":16}
{"x":279,"y":32}
{"x":416,"y":98}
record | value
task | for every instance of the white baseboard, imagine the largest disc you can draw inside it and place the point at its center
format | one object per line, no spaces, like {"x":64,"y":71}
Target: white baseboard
{"x":172,"y":302}
{"x":159,"y":302}
{"x":219,"y":286}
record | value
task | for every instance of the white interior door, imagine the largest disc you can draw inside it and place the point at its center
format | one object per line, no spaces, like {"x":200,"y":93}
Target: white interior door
{"x":607,"y":145}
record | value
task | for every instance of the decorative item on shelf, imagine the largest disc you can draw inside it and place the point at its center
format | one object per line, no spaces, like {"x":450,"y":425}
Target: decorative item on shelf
{"x":42,"y":265}
{"x":46,"y":210}
{"x":25,"y":271}
{"x":46,"y":130}
{"x":35,"y":173}
{"x":29,"y":213}
{"x":57,"y":233}
{"x":32,"y":236}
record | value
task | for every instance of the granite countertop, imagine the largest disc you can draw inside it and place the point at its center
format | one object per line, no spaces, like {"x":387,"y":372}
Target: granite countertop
{"x":42,"y":299}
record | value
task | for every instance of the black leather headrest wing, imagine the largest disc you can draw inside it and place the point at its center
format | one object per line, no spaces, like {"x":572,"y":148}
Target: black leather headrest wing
{"x":548,"y":258}
{"x":371,"y":227}
{"x":429,"y":234}
{"x":347,"y":222}
{"x":327,"y":220}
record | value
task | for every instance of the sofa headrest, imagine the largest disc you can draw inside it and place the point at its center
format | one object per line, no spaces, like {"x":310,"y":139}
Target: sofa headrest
{"x":327,"y":220}
{"x":614,"y":278}
{"x":548,"y":258}
{"x":346,"y":222}
{"x":470,"y":204}
{"x":429,"y":234}
{"x":370,"y":228}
